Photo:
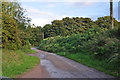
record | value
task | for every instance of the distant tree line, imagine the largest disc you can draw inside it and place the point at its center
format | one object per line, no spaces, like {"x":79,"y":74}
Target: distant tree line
{"x":18,"y":33}
{"x":75,"y":25}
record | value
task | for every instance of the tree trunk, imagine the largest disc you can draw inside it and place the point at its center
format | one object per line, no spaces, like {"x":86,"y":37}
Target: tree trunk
{"x":111,"y":14}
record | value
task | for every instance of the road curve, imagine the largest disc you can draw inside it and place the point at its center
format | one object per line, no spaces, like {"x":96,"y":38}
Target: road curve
{"x":61,"y":67}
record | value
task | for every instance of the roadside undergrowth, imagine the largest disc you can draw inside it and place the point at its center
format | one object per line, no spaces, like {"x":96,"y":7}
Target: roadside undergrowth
{"x":17,"y":62}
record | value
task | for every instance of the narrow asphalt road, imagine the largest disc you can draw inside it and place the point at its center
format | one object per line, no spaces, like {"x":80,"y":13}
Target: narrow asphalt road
{"x":55,"y":66}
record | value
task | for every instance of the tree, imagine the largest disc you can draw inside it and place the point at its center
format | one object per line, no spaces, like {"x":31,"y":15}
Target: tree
{"x":105,"y":22}
{"x":10,"y":39}
{"x":34,"y":35}
{"x":13,"y":25}
{"x":68,"y":26}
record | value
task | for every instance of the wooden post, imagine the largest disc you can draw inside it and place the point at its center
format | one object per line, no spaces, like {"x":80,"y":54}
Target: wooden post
{"x":111,"y":14}
{"x":119,"y":11}
{"x":42,"y":35}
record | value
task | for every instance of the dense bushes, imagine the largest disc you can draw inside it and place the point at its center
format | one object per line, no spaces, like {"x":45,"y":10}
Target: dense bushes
{"x":103,"y":45}
{"x":34,"y":35}
{"x":15,"y":40}
{"x":17,"y":32}
{"x":75,"y":25}
{"x":68,"y":43}
{"x":67,"y":26}
{"x":12,"y":18}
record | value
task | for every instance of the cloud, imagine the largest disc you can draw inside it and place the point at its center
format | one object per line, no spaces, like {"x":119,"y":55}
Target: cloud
{"x":43,"y":15}
{"x":88,"y":3}
{"x":82,"y":3}
{"x":43,"y":21}
{"x":51,"y":5}
{"x":32,"y":10}
{"x":40,"y":21}
{"x":40,"y":18}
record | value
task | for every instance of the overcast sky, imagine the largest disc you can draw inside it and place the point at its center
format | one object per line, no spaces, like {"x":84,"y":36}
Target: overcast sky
{"x":43,"y":13}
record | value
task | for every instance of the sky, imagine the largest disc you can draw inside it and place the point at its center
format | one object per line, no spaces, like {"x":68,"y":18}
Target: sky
{"x":43,"y":12}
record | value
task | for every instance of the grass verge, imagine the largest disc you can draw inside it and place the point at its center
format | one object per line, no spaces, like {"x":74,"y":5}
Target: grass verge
{"x":89,"y":61}
{"x":0,"y":62}
{"x":16,"y":62}
{"x":30,"y":51}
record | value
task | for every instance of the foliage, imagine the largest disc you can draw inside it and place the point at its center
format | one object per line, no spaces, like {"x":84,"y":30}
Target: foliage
{"x":12,"y":15}
{"x":68,"y":43}
{"x":69,"y":36}
{"x":35,"y":35}
{"x":103,"y":45}
{"x":105,"y":22}
{"x":17,"y":32}
{"x":90,"y":61}
{"x":16,"y":62}
{"x":29,"y":51}
{"x":67,"y":26}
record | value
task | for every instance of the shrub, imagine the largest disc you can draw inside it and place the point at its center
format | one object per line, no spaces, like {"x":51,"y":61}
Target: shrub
{"x":102,"y":46}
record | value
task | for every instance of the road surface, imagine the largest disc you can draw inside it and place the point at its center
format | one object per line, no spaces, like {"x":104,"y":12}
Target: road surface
{"x":55,"y":66}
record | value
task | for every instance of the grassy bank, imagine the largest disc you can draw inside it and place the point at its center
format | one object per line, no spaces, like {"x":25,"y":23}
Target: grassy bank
{"x":17,"y":62}
{"x":30,"y":51}
{"x":90,"y":61}
{"x":0,"y":62}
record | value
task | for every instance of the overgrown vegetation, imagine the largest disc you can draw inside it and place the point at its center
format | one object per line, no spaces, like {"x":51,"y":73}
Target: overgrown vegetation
{"x":0,"y":62}
{"x":15,"y":62}
{"x":96,"y":47}
{"x":17,"y":38}
{"x":30,"y":51}
{"x":68,"y":26}
{"x":81,"y":39}
{"x":17,"y":32}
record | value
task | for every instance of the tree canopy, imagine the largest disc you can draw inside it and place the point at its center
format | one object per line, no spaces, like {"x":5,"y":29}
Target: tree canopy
{"x":16,"y":27}
{"x":75,"y":25}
